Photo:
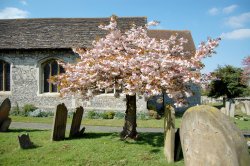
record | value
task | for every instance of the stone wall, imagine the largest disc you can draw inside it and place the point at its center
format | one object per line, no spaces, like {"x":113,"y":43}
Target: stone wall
{"x":26,"y":84}
{"x":26,"y":77}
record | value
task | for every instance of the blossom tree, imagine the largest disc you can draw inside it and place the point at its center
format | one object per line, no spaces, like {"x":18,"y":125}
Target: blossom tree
{"x":133,"y":63}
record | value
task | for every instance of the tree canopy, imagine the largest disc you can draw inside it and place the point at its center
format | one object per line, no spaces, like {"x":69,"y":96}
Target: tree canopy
{"x":134,"y":63}
{"x":227,"y":82}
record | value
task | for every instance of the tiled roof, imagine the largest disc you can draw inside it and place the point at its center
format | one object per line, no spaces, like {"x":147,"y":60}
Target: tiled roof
{"x":56,"y":33}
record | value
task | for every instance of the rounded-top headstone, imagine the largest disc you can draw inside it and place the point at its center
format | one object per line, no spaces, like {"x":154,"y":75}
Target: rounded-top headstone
{"x":209,"y":138}
{"x":4,"y":110}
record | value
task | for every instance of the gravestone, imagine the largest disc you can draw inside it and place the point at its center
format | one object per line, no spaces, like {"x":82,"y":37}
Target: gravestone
{"x":210,"y":138}
{"x":232,"y":110}
{"x":4,"y":115}
{"x":76,"y":123}
{"x":24,"y":141}
{"x":59,"y":124}
{"x":227,"y":108}
{"x":240,"y":107}
{"x":169,"y":133}
{"x":5,"y":125}
{"x":247,"y":107}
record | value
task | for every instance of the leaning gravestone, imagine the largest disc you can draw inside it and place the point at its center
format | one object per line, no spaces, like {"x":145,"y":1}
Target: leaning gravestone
{"x":60,"y":121}
{"x":209,"y":138}
{"x":76,"y":123}
{"x":24,"y":141}
{"x":4,"y":115}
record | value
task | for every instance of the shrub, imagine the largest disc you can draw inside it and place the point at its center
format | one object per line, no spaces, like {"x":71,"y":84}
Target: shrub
{"x":153,"y":114}
{"x":142,"y":116}
{"x":15,"y":111}
{"x":39,"y":113}
{"x":108,"y":115}
{"x":27,"y":108}
{"x":152,"y":106}
{"x":94,"y":115}
{"x":119,"y":115}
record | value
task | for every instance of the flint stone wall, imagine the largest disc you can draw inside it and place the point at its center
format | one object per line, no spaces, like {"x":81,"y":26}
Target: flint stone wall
{"x":26,"y":75}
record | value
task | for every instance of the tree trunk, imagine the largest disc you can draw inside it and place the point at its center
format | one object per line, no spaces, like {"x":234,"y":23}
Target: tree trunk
{"x":129,"y":128}
{"x":169,"y":133}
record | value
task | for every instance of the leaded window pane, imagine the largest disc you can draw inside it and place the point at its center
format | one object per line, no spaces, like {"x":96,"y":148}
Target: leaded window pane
{"x":46,"y":77}
{"x":7,"y":77}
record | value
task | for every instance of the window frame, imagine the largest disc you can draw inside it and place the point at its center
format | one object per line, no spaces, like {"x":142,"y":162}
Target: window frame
{"x":4,"y":73}
{"x":42,"y":76}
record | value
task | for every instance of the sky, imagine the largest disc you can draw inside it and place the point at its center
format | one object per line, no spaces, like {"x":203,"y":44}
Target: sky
{"x":228,"y":19}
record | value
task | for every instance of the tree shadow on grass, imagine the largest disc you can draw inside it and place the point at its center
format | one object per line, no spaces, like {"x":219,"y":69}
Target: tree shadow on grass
{"x":153,"y":139}
{"x":94,"y":136}
{"x":25,"y":130}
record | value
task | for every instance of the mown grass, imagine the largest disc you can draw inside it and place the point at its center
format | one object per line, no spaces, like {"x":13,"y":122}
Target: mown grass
{"x":93,"y":149}
{"x":151,"y":123}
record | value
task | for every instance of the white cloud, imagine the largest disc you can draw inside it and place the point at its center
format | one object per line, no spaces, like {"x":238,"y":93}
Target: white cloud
{"x":213,"y":11}
{"x":229,"y":9}
{"x":237,"y":34}
{"x":24,"y":2}
{"x":238,"y":21}
{"x":11,"y":12}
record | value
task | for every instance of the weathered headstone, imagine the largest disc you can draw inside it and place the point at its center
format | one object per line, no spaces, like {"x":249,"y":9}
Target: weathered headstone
{"x":76,"y":123}
{"x":59,"y":124}
{"x":208,"y":137}
{"x":24,"y":141}
{"x":169,"y":133}
{"x":232,"y":110}
{"x":4,"y":115}
{"x":240,"y":107}
{"x":227,"y":107}
{"x":247,"y":107}
{"x":5,"y":125}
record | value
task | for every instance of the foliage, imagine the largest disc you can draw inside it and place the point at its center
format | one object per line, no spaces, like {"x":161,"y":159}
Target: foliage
{"x":134,"y":63}
{"x":142,"y":116}
{"x":227,"y":83}
{"x":27,"y":108}
{"x":119,"y":115}
{"x":15,"y":110}
{"x":24,"y":111}
{"x":153,"y":114}
{"x":92,"y":115}
{"x":152,"y":106}
{"x":40,"y":113}
{"x":108,"y":115}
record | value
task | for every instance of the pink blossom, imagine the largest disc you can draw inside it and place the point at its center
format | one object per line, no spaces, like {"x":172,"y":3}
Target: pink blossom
{"x":136,"y":64}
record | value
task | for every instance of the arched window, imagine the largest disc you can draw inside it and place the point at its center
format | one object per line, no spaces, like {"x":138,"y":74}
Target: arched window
{"x":50,"y":68}
{"x":4,"y":76}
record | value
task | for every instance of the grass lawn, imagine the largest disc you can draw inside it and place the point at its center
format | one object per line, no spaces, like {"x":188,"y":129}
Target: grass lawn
{"x":94,"y":149}
{"x":152,"y":123}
